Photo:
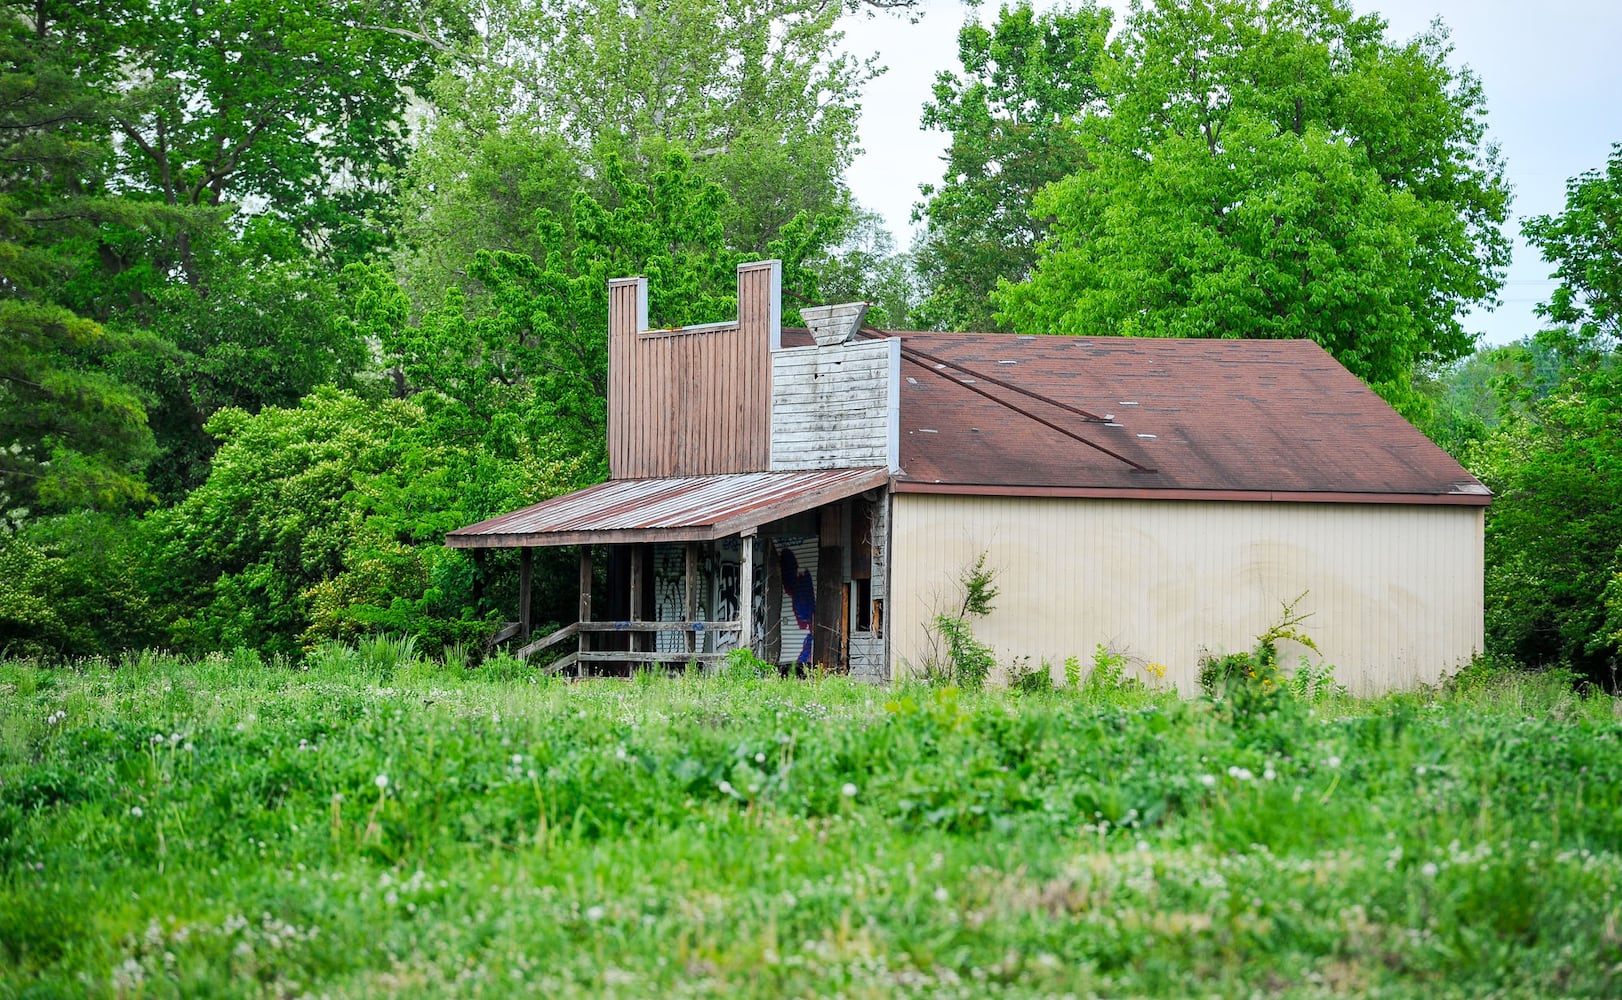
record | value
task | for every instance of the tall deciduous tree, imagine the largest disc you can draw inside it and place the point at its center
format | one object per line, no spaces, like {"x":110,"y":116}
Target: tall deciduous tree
{"x":1277,"y":169}
{"x":1011,"y":118}
{"x":756,"y":92}
{"x":1585,"y":244}
{"x":1554,"y":530}
{"x":285,"y":106}
{"x":528,"y":360}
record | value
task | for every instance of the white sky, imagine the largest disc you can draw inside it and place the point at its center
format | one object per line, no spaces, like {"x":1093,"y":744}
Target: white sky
{"x":1552,"y":70}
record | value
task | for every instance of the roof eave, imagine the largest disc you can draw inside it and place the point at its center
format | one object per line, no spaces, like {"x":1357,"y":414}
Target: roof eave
{"x":1451,"y":499}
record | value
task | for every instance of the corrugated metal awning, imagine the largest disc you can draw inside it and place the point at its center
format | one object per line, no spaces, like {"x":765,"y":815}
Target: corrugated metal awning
{"x":699,"y":508}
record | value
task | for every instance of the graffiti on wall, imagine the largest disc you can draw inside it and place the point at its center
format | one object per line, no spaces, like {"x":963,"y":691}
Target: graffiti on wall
{"x":796,"y":565}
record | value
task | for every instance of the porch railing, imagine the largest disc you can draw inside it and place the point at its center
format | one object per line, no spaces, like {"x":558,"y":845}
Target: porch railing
{"x":583,"y":655}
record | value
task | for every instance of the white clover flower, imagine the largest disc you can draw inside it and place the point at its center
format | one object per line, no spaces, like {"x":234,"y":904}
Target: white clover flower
{"x":1332,"y":762}
{"x":1208,"y":780}
{"x":1269,"y":774}
{"x":760,"y":758}
{"x":1240,"y":773}
{"x":136,"y":812}
{"x":941,"y":895}
{"x":518,"y":758}
{"x":725,"y":786}
{"x":848,"y":790}
{"x":381,"y":781}
{"x":1429,"y":869}
{"x":596,"y":913}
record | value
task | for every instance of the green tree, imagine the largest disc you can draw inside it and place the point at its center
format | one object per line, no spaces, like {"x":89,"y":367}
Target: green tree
{"x":282,"y":106}
{"x":1554,"y":530}
{"x":327,"y":520}
{"x":1277,"y":170}
{"x":1585,"y":244}
{"x":864,"y":266}
{"x":72,"y":585}
{"x":1010,"y":116}
{"x":528,"y":360}
{"x":266,"y":333}
{"x":75,"y":437}
{"x":70,"y":434}
{"x":755,"y":92}
{"x":478,"y":184}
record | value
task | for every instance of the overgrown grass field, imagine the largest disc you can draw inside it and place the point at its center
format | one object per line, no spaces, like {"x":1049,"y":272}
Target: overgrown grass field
{"x":372,"y":824}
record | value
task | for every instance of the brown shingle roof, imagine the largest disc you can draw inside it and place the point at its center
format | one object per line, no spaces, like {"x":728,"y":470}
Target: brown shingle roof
{"x":1274,"y":417}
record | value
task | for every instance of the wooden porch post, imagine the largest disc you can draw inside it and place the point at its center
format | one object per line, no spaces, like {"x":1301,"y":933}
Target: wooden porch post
{"x":746,"y":590}
{"x":690,"y":591}
{"x":585,"y":591}
{"x":636,"y":594}
{"x":525,"y":576}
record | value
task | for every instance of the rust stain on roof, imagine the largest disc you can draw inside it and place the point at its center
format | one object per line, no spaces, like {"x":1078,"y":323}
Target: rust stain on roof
{"x":687,"y":509}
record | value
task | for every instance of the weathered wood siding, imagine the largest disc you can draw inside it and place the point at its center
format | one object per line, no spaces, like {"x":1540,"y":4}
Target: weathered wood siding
{"x":836,"y":407}
{"x":868,"y":650}
{"x":692,"y":401}
{"x":1395,"y":591}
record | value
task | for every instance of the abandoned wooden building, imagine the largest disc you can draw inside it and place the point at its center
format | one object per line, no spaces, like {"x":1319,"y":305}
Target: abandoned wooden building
{"x":817,"y":494}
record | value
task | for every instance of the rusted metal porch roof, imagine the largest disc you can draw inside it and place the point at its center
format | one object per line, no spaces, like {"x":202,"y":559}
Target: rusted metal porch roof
{"x":701,"y":508}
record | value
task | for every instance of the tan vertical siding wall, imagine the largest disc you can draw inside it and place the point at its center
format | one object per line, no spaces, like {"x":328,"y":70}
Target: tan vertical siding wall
{"x":1395,"y":591}
{"x":693,"y":401}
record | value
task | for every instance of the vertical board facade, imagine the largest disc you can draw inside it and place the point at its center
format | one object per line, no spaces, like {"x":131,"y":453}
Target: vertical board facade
{"x":1395,"y":591}
{"x":692,"y":401}
{"x":836,"y":407}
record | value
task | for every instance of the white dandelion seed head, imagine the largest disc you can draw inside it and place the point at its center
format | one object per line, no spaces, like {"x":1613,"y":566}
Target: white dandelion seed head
{"x":941,"y":895}
{"x":725,"y":786}
{"x":1208,"y":780}
{"x":760,"y":758}
{"x":596,"y":913}
{"x":136,"y":812}
{"x":1429,"y":869}
{"x":381,"y":781}
{"x":1332,"y":762}
{"x":848,"y":790}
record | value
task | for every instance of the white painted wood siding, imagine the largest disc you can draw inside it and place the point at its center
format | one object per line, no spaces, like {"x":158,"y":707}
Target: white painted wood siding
{"x":836,"y":407}
{"x":1395,"y":591}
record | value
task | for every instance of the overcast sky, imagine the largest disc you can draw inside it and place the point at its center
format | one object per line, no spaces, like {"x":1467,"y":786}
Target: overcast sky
{"x":1552,"y":71}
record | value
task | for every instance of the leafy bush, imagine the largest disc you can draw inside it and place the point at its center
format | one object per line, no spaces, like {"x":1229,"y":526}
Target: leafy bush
{"x":968,"y":661}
